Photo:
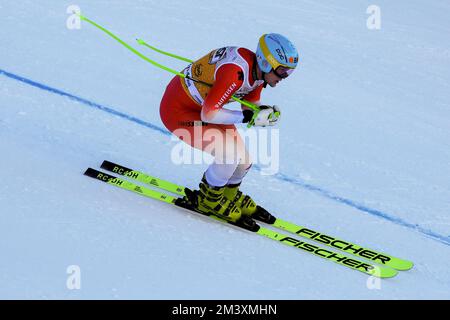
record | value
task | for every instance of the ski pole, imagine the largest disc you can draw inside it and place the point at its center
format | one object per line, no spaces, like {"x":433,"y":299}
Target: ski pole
{"x":145,"y":44}
{"x":139,"y":54}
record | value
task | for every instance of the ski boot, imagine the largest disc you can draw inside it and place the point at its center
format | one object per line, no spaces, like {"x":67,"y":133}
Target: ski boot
{"x":246,"y":204}
{"x":211,"y":200}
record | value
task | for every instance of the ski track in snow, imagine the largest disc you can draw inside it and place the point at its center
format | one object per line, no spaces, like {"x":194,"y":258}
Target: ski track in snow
{"x":280,"y":176}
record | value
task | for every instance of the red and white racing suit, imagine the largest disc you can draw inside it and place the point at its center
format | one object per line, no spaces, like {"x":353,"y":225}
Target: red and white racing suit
{"x":195,"y":112}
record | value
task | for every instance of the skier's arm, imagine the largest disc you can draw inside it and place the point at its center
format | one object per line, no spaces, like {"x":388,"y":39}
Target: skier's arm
{"x":227,"y":82}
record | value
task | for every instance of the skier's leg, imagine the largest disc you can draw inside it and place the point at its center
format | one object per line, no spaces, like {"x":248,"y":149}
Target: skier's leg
{"x":235,"y":164}
{"x":230,"y":157}
{"x":246,"y":204}
{"x":243,"y":165}
{"x":218,"y":174}
{"x":229,"y":151}
{"x":182,"y":117}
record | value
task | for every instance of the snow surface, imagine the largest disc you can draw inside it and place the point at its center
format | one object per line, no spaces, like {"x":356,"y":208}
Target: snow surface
{"x":365,"y":151}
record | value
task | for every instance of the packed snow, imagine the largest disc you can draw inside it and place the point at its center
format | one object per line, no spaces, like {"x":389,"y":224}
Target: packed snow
{"x":364,"y":150}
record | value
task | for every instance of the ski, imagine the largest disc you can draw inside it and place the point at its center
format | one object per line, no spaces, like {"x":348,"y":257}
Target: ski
{"x":324,"y":239}
{"x":367,"y":268}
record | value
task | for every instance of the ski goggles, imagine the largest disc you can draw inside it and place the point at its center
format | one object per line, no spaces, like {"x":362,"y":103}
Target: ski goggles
{"x":283,"y":72}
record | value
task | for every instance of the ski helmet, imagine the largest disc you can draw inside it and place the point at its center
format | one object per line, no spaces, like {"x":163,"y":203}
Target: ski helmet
{"x":274,"y":51}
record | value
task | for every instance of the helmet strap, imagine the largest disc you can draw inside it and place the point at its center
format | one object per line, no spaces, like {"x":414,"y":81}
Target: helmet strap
{"x":264,"y":78}
{"x":255,"y":73}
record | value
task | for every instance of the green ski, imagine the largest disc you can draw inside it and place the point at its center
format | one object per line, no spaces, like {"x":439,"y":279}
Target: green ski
{"x":346,"y":246}
{"x":367,"y":268}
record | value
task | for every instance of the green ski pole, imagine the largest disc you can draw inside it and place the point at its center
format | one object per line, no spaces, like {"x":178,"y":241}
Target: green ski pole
{"x":252,"y":106}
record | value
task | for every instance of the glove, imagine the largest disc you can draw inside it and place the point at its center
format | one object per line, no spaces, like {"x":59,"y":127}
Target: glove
{"x":266,"y":116}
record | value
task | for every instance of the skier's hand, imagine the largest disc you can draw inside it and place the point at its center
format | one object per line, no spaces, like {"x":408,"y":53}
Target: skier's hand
{"x":266,"y":116}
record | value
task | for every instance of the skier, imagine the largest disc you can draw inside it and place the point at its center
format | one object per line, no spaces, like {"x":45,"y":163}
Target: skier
{"x":193,"y":109}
